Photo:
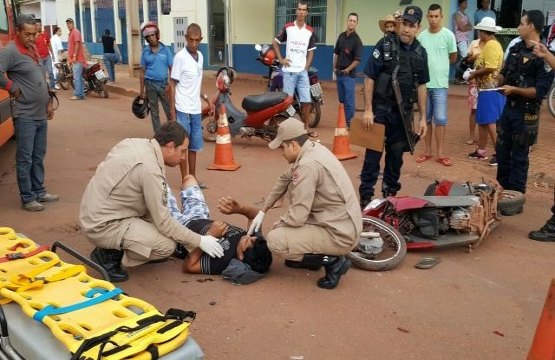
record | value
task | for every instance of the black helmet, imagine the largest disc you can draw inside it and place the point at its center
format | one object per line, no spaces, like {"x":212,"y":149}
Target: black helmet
{"x":140,"y":107}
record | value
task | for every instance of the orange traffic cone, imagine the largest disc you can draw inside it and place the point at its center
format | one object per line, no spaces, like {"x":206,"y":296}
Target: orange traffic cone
{"x":223,"y":156}
{"x":543,"y":345}
{"x":341,"y":142}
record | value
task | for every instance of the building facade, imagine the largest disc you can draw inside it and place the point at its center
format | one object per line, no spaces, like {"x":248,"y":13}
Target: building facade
{"x":231,"y":28}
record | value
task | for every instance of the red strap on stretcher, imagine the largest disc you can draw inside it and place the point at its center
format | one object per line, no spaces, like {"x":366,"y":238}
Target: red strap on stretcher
{"x":19,"y":255}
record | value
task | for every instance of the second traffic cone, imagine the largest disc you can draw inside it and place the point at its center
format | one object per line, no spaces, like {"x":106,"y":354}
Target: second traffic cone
{"x":341,"y":143}
{"x":543,"y":345}
{"x":223,"y":156}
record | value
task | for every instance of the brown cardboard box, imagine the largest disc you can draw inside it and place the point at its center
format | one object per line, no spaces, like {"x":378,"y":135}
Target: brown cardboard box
{"x":372,"y":138}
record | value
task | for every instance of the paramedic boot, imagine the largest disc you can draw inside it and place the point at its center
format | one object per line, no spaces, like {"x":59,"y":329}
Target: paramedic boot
{"x":546,"y":233}
{"x":335,"y":266}
{"x":110,"y":260}
{"x":310,"y":261}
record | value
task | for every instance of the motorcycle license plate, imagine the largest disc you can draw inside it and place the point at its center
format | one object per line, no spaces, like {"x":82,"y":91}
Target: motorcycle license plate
{"x":291,"y":110}
{"x":316,"y":90}
{"x":100,"y":75}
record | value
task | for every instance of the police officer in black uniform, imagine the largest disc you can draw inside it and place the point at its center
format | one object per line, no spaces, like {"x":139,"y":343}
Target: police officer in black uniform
{"x":405,"y":53}
{"x":527,"y":80}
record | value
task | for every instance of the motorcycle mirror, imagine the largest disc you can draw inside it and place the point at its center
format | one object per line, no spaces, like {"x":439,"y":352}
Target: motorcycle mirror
{"x":258,"y":47}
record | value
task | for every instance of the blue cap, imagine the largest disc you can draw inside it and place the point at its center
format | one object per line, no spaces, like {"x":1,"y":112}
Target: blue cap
{"x":413,"y":14}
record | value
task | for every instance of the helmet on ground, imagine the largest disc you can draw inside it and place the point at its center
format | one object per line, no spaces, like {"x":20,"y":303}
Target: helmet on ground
{"x":140,"y":107}
{"x":268,"y":55}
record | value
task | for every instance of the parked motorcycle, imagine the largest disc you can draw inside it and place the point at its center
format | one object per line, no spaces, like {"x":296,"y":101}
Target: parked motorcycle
{"x":267,"y":57}
{"x":447,"y":215}
{"x":263,"y":113}
{"x":65,"y":75}
{"x":94,"y":80}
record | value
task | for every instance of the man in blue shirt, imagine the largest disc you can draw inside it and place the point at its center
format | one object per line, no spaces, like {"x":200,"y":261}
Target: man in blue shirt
{"x":156,"y":65}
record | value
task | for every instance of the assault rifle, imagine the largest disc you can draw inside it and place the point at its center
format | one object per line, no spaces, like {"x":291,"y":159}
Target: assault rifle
{"x":408,"y":123}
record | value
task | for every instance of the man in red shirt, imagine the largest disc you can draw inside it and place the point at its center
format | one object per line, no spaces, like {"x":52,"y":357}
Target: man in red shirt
{"x":76,"y":57}
{"x":45,"y":50}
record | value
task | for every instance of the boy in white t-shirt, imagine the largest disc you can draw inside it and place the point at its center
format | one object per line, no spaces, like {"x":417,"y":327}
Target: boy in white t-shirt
{"x":185,"y":104}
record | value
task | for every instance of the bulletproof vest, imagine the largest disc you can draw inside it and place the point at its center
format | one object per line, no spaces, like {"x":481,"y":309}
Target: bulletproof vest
{"x":408,"y":62}
{"x":522,"y":66}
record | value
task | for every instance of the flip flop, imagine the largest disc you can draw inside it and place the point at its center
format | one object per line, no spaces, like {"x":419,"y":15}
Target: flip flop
{"x":427,"y":262}
{"x":444,"y":161}
{"x":423,"y":158}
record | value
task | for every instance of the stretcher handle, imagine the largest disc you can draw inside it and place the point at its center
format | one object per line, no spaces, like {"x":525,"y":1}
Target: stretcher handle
{"x":78,"y":256}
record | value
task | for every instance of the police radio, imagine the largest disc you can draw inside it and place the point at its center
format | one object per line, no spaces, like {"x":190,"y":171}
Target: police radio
{"x":390,"y":47}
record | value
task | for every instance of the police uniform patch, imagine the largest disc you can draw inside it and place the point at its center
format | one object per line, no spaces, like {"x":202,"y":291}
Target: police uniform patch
{"x":296,"y":177}
{"x":164,"y":193}
{"x":376,"y":53}
{"x":525,"y":59}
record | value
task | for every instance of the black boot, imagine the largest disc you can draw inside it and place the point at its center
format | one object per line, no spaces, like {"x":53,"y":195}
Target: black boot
{"x":336,"y":266}
{"x":546,"y":233}
{"x":310,"y":261}
{"x":110,"y":260}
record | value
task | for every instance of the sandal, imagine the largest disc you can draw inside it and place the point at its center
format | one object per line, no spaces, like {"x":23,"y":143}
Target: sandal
{"x":423,"y":158}
{"x":470,"y":142}
{"x":444,"y":161}
{"x":427,"y":262}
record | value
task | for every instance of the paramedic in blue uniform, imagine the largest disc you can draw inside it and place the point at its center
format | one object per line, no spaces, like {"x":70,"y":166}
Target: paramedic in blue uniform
{"x":380,"y":105}
{"x":527,"y":79}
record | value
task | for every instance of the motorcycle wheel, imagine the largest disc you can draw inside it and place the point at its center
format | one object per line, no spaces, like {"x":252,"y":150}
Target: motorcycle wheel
{"x":64,"y":79}
{"x":510,"y":200}
{"x":315,"y":114}
{"x":393,"y":251}
{"x":209,"y":127}
{"x":100,"y":88}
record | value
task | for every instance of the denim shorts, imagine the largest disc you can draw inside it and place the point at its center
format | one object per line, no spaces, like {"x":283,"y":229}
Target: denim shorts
{"x":437,"y":107}
{"x":298,"y":81}
{"x":193,"y":125}
{"x":194,"y":203}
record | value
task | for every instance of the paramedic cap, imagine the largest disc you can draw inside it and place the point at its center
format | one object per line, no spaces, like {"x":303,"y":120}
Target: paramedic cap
{"x":287,"y":130}
{"x":413,"y":14}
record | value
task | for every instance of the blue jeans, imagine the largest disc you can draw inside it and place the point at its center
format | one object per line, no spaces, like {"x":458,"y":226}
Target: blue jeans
{"x":395,"y":146}
{"x":109,"y":61}
{"x":511,"y":150}
{"x":155,"y":91}
{"x":29,"y":158}
{"x":346,"y":93}
{"x":437,"y":106}
{"x":297,"y":81}
{"x":78,"y":81}
{"x":192,"y":123}
{"x":46,"y":64}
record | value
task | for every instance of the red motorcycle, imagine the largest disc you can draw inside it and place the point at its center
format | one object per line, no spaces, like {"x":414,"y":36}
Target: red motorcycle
{"x":94,"y":80}
{"x":447,"y":215}
{"x":263,"y":113}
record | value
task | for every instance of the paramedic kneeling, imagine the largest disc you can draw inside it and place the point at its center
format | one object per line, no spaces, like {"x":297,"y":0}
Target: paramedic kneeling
{"x":323,"y":220}
{"x":124,"y":209}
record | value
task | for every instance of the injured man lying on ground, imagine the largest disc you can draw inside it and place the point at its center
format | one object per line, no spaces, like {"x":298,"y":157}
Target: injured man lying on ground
{"x":246,"y":258}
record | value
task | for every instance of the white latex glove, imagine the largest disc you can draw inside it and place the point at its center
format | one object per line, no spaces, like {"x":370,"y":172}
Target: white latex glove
{"x":256,"y":223}
{"x":467,"y":73}
{"x":210,"y":245}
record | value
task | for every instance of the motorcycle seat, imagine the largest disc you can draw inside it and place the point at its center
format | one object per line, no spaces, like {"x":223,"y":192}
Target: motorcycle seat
{"x":263,"y":101}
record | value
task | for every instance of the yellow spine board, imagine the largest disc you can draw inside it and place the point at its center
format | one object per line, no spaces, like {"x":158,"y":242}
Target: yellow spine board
{"x":44,"y":280}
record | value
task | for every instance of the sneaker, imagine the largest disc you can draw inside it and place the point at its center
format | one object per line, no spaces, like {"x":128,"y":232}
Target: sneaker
{"x":48,"y":198}
{"x":475,"y":155}
{"x":74,"y":97}
{"x":33,"y":206}
{"x":493,"y":160}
